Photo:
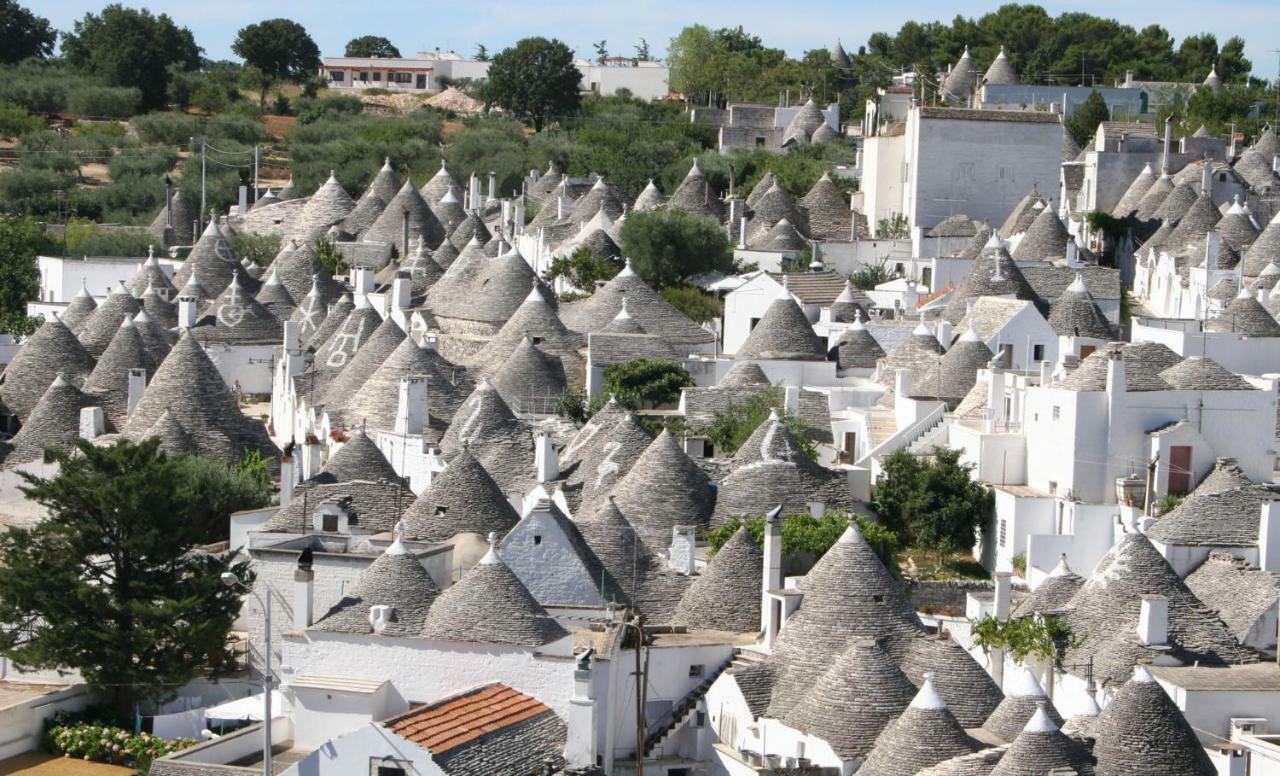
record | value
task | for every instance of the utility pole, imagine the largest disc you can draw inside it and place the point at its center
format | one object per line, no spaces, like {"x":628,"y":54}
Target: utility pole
{"x":203,"y":170}
{"x":641,"y":680}
{"x":255,"y":175}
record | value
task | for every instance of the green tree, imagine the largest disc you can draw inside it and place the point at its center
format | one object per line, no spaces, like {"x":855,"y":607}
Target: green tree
{"x":371,"y":46}
{"x":127,"y":47}
{"x":216,"y":489}
{"x":482,"y":53}
{"x":667,"y":247}
{"x":1084,"y":122}
{"x":805,"y":534}
{"x":733,"y":425}
{"x":20,"y":240}
{"x":699,"y":305}
{"x":23,"y":35}
{"x":582,"y":270}
{"x":536,"y":80}
{"x":642,"y":50}
{"x":602,"y":51}
{"x":108,"y":583}
{"x":646,"y":382}
{"x":932,"y":502}
{"x":280,"y":49}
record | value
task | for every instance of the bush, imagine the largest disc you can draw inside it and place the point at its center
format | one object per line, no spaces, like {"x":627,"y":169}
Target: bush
{"x":32,"y":192}
{"x":223,"y":489}
{"x":806,"y":534}
{"x":932,"y":502}
{"x":15,"y":121}
{"x":376,"y":91}
{"x":104,"y":101}
{"x":258,"y":248}
{"x":109,"y":744}
{"x":354,"y":146}
{"x":582,"y":270}
{"x":86,"y":238}
{"x":645,"y":382}
{"x":312,"y":110}
{"x":733,"y":425}
{"x":151,"y":161}
{"x":694,"y":302}
{"x":667,"y":247}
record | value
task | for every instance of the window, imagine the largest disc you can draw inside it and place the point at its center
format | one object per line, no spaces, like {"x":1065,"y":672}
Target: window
{"x":329,"y":523}
{"x":403,"y":78}
{"x":1003,"y":532}
{"x":752,"y":325}
{"x":878,"y":598}
{"x":759,"y":142}
{"x":386,"y":766}
{"x":700,"y":720}
{"x":390,"y":770}
{"x":377,"y":75}
{"x":337,"y":75}
{"x":1086,"y":351}
{"x":537,"y":539}
{"x":708,"y":449}
{"x":697,"y":669}
{"x":364,"y":76}
{"x":1057,"y":412}
{"x":1037,"y":352}
{"x":1053,"y":488}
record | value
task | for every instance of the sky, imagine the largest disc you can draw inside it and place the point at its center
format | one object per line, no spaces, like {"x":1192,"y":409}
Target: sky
{"x":414,"y":26}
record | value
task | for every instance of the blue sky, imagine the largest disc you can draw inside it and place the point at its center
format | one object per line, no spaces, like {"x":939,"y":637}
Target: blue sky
{"x":455,"y":25}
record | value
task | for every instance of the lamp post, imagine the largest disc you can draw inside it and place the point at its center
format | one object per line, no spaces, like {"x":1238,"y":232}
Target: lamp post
{"x":232,"y":581}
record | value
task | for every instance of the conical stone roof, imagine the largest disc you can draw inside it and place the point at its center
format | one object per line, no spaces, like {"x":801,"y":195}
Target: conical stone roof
{"x":174,"y":439}
{"x":1046,"y":238}
{"x":957,"y":371}
{"x":968,"y":689}
{"x":97,"y":332}
{"x":1040,"y":747}
{"x":314,"y":311}
{"x":1023,"y":697}
{"x":781,"y":237}
{"x":159,"y":309}
{"x":236,"y":318}
{"x":534,"y":318}
{"x":601,"y":197}
{"x":647,"y":306}
{"x":156,"y":338}
{"x":1132,"y":197}
{"x":924,"y":735}
{"x":1076,"y":314}
{"x":438,"y":185}
{"x":601,"y":454}
{"x":849,"y":595}
{"x":726,"y":595}
{"x":530,"y":379}
{"x":212,"y":261}
{"x":358,"y":459}
{"x":376,"y":402}
{"x":827,"y":212}
{"x":50,"y":351}
{"x":1054,"y":592}
{"x":188,"y":385}
{"x":961,"y":81}
{"x":994,"y":273}
{"x":79,"y":309}
{"x":853,"y":701}
{"x":766,"y":182}
{"x":1245,"y":315}
{"x":1023,"y":213}
{"x":449,"y":212}
{"x":396,"y":579}
{"x":783,"y":333}
{"x":108,"y":383}
{"x":695,"y":195}
{"x":650,"y":199}
{"x":823,"y":134}
{"x":300,"y":269}
{"x":1236,"y":228}
{"x":389,"y":228}
{"x":367,"y":359}
{"x":275,"y":298}
{"x":461,"y":499}
{"x":1194,"y":224}
{"x":489,"y":605}
{"x":54,"y":423}
{"x":802,"y":125}
{"x":151,"y":274}
{"x":471,"y":228}
{"x":664,"y":488}
{"x":856,"y":348}
{"x":1141,"y":732}
{"x":1179,"y":201}
{"x":502,"y":443}
{"x":1153,"y":200}
{"x":328,"y":206}
{"x":640,"y":577}
{"x":1001,"y":72}
{"x":1264,"y":250}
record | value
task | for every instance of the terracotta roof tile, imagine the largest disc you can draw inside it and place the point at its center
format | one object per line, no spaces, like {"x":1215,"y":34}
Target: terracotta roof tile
{"x":449,"y":724}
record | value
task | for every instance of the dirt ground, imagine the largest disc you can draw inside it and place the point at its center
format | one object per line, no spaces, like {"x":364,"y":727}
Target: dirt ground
{"x":36,"y":764}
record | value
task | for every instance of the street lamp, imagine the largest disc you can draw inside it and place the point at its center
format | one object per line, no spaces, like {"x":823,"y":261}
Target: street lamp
{"x":232,"y":581}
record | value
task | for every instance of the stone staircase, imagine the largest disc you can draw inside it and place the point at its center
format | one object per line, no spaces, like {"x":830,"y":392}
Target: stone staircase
{"x":936,"y":436}
{"x":662,"y":730}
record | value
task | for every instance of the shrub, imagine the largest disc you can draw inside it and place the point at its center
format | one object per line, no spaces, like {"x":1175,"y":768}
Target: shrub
{"x":668,"y":247}
{"x":258,"y":248}
{"x":32,"y":191}
{"x":152,"y":161}
{"x":733,"y":425}
{"x":582,"y":270}
{"x":103,"y":101}
{"x":376,"y":91}
{"x":804,"y":533}
{"x":109,"y":744}
{"x":311,"y":110}
{"x":694,"y":302}
{"x":15,"y":121}
{"x":86,"y":238}
{"x":645,"y":382}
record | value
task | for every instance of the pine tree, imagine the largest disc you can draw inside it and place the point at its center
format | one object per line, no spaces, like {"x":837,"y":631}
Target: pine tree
{"x":108,"y":583}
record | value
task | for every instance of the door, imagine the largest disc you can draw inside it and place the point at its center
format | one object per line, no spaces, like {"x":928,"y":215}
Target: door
{"x":1086,"y":351}
{"x":850,"y":451}
{"x":422,"y":81}
{"x":1179,"y":469}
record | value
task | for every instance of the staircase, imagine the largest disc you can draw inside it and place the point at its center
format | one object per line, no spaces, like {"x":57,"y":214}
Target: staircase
{"x":662,"y":730}
{"x":905,"y":437}
{"x":936,"y":436}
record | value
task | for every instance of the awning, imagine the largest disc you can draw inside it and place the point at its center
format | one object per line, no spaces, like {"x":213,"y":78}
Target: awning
{"x":247,"y":709}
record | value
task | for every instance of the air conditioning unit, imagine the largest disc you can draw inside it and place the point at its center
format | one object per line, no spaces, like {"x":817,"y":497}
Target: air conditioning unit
{"x":1248,"y":726}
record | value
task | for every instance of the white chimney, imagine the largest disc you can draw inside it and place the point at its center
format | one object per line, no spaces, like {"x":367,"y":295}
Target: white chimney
{"x":493,"y":178}
{"x":1073,"y":254}
{"x":1275,"y":163}
{"x":1046,"y":372}
{"x":411,"y":411}
{"x":292,"y":336}
{"x":771,"y":608}
{"x":380,"y":617}
{"x":742,"y":232}
{"x":519,"y":217}
{"x":1206,"y":175}
{"x":791,"y":399}
{"x":304,"y":582}
{"x":187,"y":311}
{"x":546,"y":458}
{"x":683,"y":544}
{"x":401,"y":293}
{"x":1116,"y":383}
{"x":137,"y":384}
{"x":1212,"y":244}
{"x":1269,"y":537}
{"x":902,"y":383}
{"x":1168,"y":138}
{"x":362,"y":280}
{"x":580,"y":750}
{"x":1003,"y":595}
{"x":92,"y":424}
{"x":286,"y":480}
{"x":1153,"y":620}
{"x":944,"y":334}
{"x":310,"y":458}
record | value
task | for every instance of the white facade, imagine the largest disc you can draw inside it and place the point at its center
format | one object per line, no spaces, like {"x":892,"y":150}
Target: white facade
{"x":61,"y":279}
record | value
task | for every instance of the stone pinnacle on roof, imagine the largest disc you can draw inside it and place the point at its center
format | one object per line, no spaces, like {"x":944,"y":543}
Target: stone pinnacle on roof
{"x":97,"y":332}
{"x":925,"y":734}
{"x":1024,"y":698}
{"x":1040,"y":747}
{"x":961,"y":81}
{"x":80,"y":308}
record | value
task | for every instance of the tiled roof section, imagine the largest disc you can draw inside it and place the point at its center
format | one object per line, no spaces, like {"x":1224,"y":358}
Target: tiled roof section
{"x":923,"y":735}
{"x":1132,"y":197}
{"x":956,"y":225}
{"x":1106,"y":608}
{"x":1198,"y":373}
{"x":373,"y":507}
{"x":851,"y":702}
{"x":1075,"y":314}
{"x":664,"y":488}
{"x":489,"y":605}
{"x":502,"y":444}
{"x":1045,"y":239}
{"x":994,"y":273}
{"x":189,"y":385}
{"x":979,"y":763}
{"x":601,"y":454}
{"x":1241,"y":594}
{"x":1226,"y":518}
{"x":814,"y":288}
{"x":396,"y":579}
{"x":484,"y":732}
{"x":54,"y":423}
{"x":1245,"y":315}
{"x":726,"y":595}
{"x":783,"y":333}
{"x":644,"y":304}
{"x":963,"y":114}
{"x":848,"y":595}
{"x":50,"y":351}
{"x":1141,"y":732}
{"x":96,"y":333}
{"x":1225,"y":475}
{"x":827,"y":212}
{"x":605,"y":349}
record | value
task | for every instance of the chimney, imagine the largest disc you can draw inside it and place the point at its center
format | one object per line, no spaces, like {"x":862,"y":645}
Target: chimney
{"x":1153,"y":621}
{"x":286,"y":480}
{"x":92,"y":424}
{"x":493,"y":177}
{"x":292,"y":336}
{"x":742,"y":232}
{"x":1269,"y":537}
{"x":137,"y":384}
{"x":580,"y":750}
{"x":401,"y":292}
{"x":1206,"y":175}
{"x":1046,"y":372}
{"x":771,"y":609}
{"x":361,"y":281}
{"x":519,"y":217}
{"x":944,"y":333}
{"x":1275,"y":163}
{"x":1003,"y":595}
{"x":243,"y":206}
{"x":546,"y":458}
{"x":1073,"y":254}
{"x":380,"y":617}
{"x":310,"y":458}
{"x":1212,"y":244}
{"x":404,"y":234}
{"x":411,"y":411}
{"x":683,"y":544}
{"x":1116,"y":383}
{"x":304,"y":582}
{"x":1168,"y":138}
{"x":1231,"y":144}
{"x":791,"y":399}
{"x":187,"y":311}
{"x":902,"y":383}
